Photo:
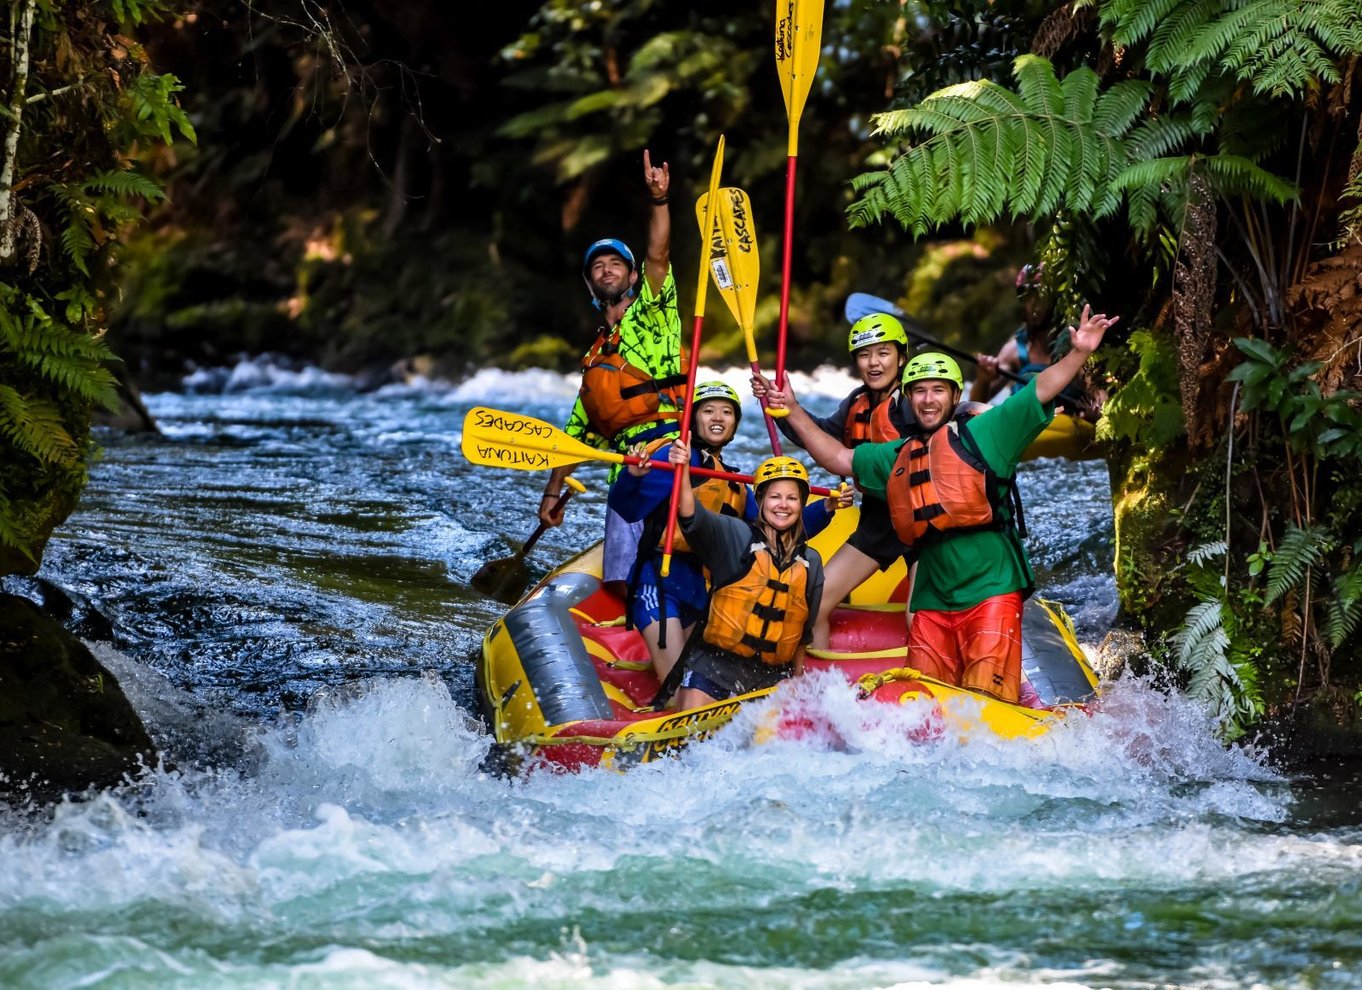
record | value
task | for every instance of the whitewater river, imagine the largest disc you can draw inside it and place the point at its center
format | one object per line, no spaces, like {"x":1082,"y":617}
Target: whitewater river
{"x":280,"y":582}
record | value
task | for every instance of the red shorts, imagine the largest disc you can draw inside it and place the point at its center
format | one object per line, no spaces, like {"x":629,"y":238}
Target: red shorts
{"x":978,"y":648}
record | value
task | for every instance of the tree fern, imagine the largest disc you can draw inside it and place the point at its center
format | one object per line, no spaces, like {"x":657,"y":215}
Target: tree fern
{"x":989,"y":151}
{"x":1278,"y":47}
{"x":34,"y":426}
{"x":1300,"y":549}
{"x":1345,"y":607}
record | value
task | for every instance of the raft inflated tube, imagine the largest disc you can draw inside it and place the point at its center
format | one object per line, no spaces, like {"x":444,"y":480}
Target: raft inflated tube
{"x":549,"y":644}
{"x":1048,"y":660}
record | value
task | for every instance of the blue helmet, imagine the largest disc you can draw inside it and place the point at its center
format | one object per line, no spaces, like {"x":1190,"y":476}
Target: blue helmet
{"x":606,"y":245}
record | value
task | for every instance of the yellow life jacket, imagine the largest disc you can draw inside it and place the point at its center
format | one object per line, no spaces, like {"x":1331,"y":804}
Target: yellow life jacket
{"x":617,"y":395}
{"x":728,"y":498}
{"x":761,"y":614}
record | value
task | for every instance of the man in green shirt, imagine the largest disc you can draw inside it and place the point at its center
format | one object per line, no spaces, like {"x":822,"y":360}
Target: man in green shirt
{"x":947,"y":487}
{"x":634,"y":374}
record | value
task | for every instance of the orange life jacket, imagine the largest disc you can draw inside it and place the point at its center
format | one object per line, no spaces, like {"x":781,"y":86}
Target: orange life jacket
{"x":617,"y":395}
{"x":865,"y":424}
{"x":941,"y":483}
{"x":762,"y":613}
{"x":725,"y":497}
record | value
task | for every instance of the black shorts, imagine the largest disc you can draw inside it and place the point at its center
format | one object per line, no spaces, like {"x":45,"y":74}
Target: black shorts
{"x":875,"y":536}
{"x":722,"y":675}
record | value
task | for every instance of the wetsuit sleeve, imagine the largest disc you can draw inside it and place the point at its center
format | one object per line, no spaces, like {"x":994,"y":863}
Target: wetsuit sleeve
{"x":815,"y":595}
{"x":834,"y":425}
{"x":635,"y":498}
{"x":871,"y":465}
{"x":817,"y":515}
{"x":719,"y":542}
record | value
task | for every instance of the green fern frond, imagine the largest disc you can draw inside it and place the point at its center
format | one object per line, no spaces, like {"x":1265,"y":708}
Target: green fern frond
{"x":1207,"y":552}
{"x":1233,"y":175}
{"x":1345,"y":607}
{"x":1131,"y":21}
{"x":125,"y":184}
{"x":989,"y":151}
{"x":1301,"y":548}
{"x":34,"y":426}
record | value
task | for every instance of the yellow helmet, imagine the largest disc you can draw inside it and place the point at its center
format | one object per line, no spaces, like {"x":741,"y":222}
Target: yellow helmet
{"x":932,"y":365}
{"x":776,"y":468}
{"x":877,"y":328}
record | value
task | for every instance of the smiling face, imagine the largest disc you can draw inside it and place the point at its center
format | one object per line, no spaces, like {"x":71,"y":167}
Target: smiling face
{"x":715,"y":422}
{"x":781,"y":503}
{"x":610,"y":275}
{"x":880,"y":365}
{"x":932,"y":401}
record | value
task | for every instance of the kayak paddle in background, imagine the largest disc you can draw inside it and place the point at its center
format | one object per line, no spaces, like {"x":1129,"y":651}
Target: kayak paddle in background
{"x":706,"y":246}
{"x":862,"y":304}
{"x":495,"y":438}
{"x":736,"y":267}
{"x":799,"y":36}
{"x":505,"y":579}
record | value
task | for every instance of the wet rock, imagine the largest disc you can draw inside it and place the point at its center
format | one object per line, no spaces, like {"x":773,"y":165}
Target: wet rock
{"x":65,"y":725}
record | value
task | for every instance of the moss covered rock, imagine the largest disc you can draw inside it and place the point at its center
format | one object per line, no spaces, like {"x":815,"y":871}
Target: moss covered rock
{"x":65,"y":724}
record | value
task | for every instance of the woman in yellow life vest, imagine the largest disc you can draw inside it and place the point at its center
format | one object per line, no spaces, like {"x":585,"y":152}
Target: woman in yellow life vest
{"x":664,"y":611}
{"x":872,"y":413}
{"x":767,"y":584}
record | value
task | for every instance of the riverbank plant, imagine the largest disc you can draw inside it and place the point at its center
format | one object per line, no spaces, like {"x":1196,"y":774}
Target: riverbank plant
{"x":77,"y":82}
{"x":1212,"y":146}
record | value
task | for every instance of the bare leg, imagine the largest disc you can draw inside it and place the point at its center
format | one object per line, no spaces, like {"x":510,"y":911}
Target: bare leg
{"x":692,"y":698}
{"x":664,"y":658}
{"x":847,"y":569}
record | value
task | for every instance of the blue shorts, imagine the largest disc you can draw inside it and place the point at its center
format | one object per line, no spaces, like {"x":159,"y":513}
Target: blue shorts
{"x":621,"y":546}
{"x":683,"y":591}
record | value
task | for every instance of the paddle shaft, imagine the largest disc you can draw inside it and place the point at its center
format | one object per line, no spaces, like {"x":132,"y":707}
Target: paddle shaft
{"x":785,"y":270}
{"x":543,"y":527}
{"x":745,"y":479}
{"x":873,"y":304}
{"x":706,"y":217}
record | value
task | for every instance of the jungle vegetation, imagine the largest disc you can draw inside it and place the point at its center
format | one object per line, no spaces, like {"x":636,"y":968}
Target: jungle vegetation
{"x":374,"y":183}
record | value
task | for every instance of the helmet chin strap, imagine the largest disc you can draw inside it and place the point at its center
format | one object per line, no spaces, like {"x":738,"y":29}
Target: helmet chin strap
{"x":606,"y":303}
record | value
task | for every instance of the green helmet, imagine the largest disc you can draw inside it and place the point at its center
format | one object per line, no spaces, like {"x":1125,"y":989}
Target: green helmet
{"x":704,"y":391}
{"x":876,"y":328}
{"x":932,"y":365}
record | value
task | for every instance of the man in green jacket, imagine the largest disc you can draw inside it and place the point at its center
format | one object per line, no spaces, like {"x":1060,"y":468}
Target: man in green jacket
{"x":634,"y":373}
{"x":948,"y":488}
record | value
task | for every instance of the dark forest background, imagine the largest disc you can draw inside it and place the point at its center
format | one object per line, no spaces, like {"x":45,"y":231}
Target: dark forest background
{"x":375,"y":182}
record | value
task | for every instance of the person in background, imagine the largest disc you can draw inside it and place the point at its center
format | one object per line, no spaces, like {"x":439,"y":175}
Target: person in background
{"x":872,"y":413}
{"x":952,"y":497}
{"x":1030,"y":350}
{"x":767,"y":583}
{"x":666,"y":610}
{"x":634,"y":373}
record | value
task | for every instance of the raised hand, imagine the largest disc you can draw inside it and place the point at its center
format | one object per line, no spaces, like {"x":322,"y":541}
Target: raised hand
{"x":1090,"y":329}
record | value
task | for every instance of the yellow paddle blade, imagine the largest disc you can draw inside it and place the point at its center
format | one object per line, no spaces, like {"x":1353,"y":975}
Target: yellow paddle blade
{"x":799,"y":37}
{"x":510,"y":440}
{"x":734,"y":261}
{"x":702,"y":281}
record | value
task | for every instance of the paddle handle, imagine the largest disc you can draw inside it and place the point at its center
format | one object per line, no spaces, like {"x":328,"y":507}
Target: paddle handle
{"x":786,"y":262}
{"x":543,"y":527}
{"x":770,"y":426}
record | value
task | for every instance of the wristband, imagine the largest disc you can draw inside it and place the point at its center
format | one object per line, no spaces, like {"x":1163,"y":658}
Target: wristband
{"x":659,"y":200}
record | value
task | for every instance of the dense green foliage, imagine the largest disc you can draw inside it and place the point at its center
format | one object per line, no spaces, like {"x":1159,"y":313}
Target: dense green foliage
{"x":1213,"y":143}
{"x":78,"y":84}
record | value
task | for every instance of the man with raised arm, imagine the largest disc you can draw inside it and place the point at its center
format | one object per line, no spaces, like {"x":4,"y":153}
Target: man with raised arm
{"x":634,"y":373}
{"x":953,"y":501}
